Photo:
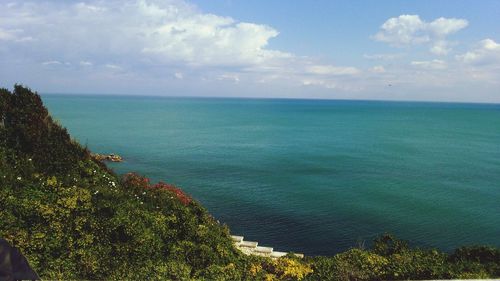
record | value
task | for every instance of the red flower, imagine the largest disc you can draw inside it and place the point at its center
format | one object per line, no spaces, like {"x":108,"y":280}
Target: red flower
{"x":135,"y":180}
{"x":185,"y":199}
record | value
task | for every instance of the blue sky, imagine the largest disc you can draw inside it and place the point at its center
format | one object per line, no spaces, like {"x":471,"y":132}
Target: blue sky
{"x":341,"y":30}
{"x":390,"y":50}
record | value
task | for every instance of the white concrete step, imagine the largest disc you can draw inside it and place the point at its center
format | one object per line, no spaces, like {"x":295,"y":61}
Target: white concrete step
{"x":264,"y":250}
{"x":277,"y":254}
{"x":248,"y":244}
{"x":237,"y":238}
{"x":251,"y":248}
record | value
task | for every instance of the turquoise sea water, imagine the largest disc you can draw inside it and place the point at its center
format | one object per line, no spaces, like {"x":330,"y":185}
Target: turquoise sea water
{"x":311,"y":176}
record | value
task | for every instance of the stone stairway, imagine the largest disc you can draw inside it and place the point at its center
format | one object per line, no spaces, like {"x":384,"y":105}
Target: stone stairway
{"x":252,"y":248}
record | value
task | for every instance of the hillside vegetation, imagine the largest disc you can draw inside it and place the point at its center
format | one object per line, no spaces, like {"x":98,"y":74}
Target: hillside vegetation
{"x":73,"y":218}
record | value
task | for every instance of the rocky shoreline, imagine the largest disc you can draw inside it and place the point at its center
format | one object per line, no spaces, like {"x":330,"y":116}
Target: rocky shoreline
{"x":107,"y":157}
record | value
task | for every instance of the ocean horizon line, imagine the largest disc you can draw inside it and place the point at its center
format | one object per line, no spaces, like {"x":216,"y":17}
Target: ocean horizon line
{"x":148,"y":96}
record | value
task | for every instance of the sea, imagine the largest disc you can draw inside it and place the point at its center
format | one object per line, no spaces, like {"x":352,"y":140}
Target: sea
{"x":310,"y":176}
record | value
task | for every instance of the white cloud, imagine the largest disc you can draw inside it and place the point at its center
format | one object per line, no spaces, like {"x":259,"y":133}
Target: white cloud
{"x":164,"y":45}
{"x":332,"y":70}
{"x":486,"y":52}
{"x":229,"y":76}
{"x":403,"y":30}
{"x":86,"y":63}
{"x":433,"y":64}
{"x":332,"y":84}
{"x":89,"y":8}
{"x":378,"y":69}
{"x":148,"y":35}
{"x":13,"y":35}
{"x":411,"y":30}
{"x":179,"y":75}
{"x":6,"y":35}
{"x":382,"y":56}
{"x":205,"y":39}
{"x":113,"y":66}
{"x":163,"y":31}
{"x":441,"y":47}
{"x":322,"y":83}
{"x":52,"y":62}
{"x":490,"y":45}
{"x":442,"y":27}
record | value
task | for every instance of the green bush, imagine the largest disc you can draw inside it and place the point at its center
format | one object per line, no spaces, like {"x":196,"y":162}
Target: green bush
{"x":31,"y":132}
{"x":476,"y":262}
{"x":355,"y":264}
{"x":75,"y":219}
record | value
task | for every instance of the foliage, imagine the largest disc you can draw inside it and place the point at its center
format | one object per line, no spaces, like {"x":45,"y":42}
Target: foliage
{"x":476,"y":261}
{"x":74,"y":218}
{"x":393,"y":259}
{"x":287,"y":269}
{"x":31,"y":132}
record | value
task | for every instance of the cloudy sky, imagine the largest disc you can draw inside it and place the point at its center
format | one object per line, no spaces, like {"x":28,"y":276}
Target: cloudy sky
{"x":391,"y":50}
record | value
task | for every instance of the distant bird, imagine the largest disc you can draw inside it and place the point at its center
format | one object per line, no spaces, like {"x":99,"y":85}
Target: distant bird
{"x":390,"y":85}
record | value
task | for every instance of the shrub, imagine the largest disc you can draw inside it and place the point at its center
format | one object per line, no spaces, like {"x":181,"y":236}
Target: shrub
{"x":74,"y":219}
{"x":476,"y":261}
{"x":31,"y":133}
{"x":288,"y":268}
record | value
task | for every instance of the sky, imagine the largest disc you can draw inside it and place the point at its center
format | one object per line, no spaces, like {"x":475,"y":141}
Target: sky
{"x":446,"y":50}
